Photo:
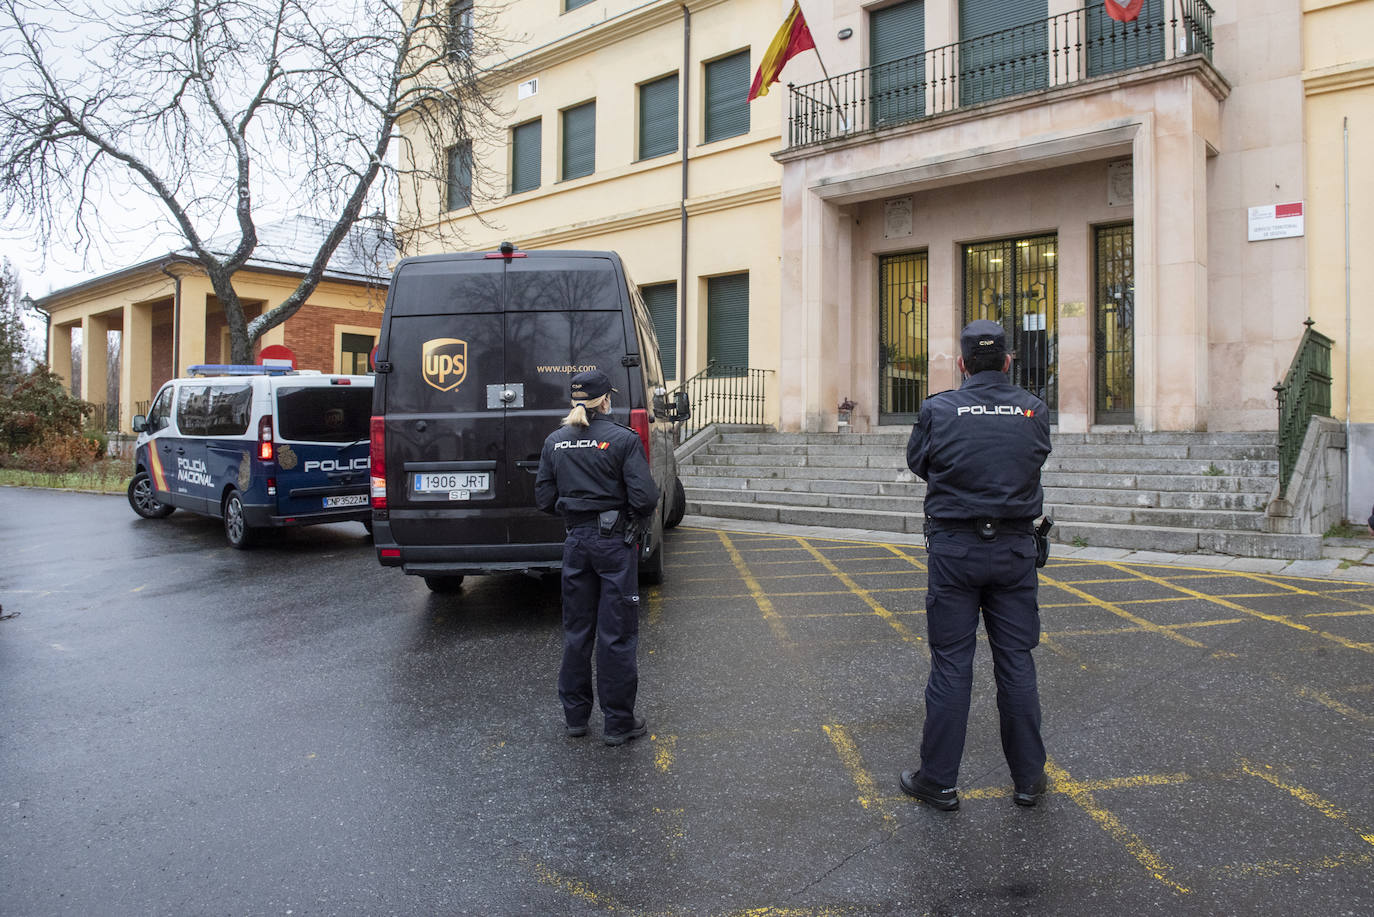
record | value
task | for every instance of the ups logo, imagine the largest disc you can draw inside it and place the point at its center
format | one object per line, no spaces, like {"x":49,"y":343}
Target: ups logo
{"x":445,"y":362}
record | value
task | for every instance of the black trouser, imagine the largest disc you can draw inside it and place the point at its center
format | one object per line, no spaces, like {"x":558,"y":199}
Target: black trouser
{"x":998,"y":577}
{"x":600,"y":607}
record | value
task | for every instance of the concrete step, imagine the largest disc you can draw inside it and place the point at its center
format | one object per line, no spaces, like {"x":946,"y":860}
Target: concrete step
{"x":1169,"y":539}
{"x":1251,"y":501}
{"x":1228,"y":438}
{"x":1200,"y":483}
{"x":912,"y":503}
{"x":1071,"y":450}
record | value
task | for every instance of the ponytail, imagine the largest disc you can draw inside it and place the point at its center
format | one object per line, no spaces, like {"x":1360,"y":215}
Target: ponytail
{"x":580,"y":415}
{"x":577,"y":416}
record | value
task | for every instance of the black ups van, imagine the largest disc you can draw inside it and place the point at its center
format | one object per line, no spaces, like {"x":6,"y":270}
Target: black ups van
{"x":473,"y":364}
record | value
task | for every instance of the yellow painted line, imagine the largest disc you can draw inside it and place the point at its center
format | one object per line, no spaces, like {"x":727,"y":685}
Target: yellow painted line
{"x":1273,"y":868}
{"x":664,"y":748}
{"x":576,"y":888}
{"x":1113,"y":783}
{"x":1358,"y":613}
{"x":655,"y":612}
{"x":906,"y":557}
{"x":1327,"y":700}
{"x":756,"y":592}
{"x":1082,"y":796}
{"x":1117,"y":631}
{"x":1307,"y":797}
{"x":792,"y":912}
{"x":139,"y":588}
{"x":863,"y":594}
{"x":1263,"y":616}
{"x":1121,"y":612}
{"x":869,"y":797}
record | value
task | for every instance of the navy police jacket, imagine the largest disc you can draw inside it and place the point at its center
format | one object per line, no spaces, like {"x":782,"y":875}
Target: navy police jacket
{"x":980,"y":448}
{"x":594,"y":468}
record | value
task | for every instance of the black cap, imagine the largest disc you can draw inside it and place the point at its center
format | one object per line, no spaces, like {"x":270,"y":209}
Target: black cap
{"x":982,"y":337}
{"x":590,"y":385}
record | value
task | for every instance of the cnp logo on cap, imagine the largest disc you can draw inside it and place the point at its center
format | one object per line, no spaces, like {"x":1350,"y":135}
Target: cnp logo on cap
{"x":444,"y":362}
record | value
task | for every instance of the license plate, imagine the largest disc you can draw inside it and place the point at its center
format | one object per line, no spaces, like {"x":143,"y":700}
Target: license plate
{"x":349,"y":500}
{"x":451,"y":482}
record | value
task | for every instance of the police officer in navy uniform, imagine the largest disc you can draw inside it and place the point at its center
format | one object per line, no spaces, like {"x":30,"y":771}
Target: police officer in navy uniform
{"x":593,"y":473}
{"x":980,"y":449}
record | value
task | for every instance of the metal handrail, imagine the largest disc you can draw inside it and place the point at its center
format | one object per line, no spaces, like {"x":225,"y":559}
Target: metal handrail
{"x":1068,"y":47}
{"x":1304,"y":393}
{"x":724,"y":393}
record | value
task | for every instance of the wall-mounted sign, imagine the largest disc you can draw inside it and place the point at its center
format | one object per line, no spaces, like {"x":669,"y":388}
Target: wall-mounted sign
{"x":528,"y":88}
{"x":1120,"y":183}
{"x":1276,"y":221}
{"x":897,"y":218}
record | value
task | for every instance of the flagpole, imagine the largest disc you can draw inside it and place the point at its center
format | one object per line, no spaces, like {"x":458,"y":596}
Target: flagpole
{"x":826,"y":73}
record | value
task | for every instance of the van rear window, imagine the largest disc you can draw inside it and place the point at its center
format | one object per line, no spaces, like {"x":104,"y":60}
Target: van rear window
{"x":324,"y":414}
{"x":562,"y":285}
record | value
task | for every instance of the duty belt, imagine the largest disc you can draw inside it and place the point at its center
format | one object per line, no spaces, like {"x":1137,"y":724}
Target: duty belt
{"x":985,"y":526}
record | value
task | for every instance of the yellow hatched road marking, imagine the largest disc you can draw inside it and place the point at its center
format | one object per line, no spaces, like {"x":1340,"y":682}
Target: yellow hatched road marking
{"x":1082,"y":796}
{"x":1120,"y":612}
{"x":770,"y":614}
{"x":862,"y":593}
{"x":1263,"y":616}
{"x":1306,"y":796}
{"x":664,"y":748}
{"x":849,"y":756}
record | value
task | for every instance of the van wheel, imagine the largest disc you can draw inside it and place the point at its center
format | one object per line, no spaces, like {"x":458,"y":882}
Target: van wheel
{"x":143,"y":500}
{"x":651,"y":570}
{"x":236,"y":528}
{"x":444,"y":584}
{"x":679,"y":505}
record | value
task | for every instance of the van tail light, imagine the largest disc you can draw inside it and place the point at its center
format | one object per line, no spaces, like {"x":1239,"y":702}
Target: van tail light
{"x":265,"y":448}
{"x":639,"y":422}
{"x":378,"y":462}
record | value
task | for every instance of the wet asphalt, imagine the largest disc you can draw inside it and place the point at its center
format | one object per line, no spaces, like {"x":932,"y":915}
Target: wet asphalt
{"x":189,"y":729}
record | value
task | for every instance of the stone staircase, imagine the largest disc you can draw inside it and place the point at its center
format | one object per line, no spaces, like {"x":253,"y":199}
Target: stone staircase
{"x":1180,"y":493}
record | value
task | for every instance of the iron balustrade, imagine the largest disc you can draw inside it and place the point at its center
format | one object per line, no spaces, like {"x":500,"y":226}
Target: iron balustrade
{"x":721,"y":393}
{"x":1304,"y":393}
{"x":1065,"y":48}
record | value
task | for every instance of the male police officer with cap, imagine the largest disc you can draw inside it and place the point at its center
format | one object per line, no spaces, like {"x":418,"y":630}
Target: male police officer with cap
{"x":593,"y":472}
{"x":980,"y":449}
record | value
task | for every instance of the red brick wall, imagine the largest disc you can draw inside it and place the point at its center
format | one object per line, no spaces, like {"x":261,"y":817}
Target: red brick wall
{"x":215,"y":323}
{"x":310,"y":333}
{"x":160,"y":364}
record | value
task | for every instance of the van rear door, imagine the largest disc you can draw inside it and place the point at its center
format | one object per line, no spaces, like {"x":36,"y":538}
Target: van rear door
{"x":445,"y":447}
{"x":322,"y":435}
{"x":564,"y":315}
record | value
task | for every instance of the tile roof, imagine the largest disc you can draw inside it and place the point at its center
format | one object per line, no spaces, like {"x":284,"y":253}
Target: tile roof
{"x":365,"y":253}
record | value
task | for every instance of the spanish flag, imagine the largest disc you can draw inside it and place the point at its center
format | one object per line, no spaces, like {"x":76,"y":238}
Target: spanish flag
{"x":792,"y":39}
{"x":1124,"y":10}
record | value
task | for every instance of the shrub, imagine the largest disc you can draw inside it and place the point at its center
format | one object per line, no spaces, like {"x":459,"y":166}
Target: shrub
{"x":36,"y":405}
{"x":57,"y":453}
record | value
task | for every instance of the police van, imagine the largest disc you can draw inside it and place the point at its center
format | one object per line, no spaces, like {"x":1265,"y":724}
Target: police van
{"x":259,"y":447}
{"x":473,"y":365}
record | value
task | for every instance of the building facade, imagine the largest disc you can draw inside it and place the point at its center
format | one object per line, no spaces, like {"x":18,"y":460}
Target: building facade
{"x":1150,"y":208}
{"x":168,"y":317}
{"x":628,"y":129}
{"x":1338,"y":86}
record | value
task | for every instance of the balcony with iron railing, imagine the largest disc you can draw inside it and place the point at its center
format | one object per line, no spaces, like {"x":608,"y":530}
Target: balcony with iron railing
{"x":1069,"y":48}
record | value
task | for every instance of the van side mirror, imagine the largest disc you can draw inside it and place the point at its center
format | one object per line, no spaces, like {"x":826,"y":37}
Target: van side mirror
{"x":660,"y":404}
{"x":140,"y":423}
{"x":682,"y":408}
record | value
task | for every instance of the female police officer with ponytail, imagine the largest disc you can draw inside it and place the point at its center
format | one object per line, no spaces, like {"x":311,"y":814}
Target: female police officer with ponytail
{"x":593,"y":473}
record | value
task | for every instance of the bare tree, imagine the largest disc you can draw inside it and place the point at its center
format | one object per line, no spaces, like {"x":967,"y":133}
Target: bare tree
{"x":212,"y":107}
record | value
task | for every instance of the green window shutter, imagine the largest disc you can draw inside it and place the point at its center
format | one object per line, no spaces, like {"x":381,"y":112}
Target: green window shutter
{"x":661,"y":298}
{"x":994,"y":62}
{"x":524,"y":160}
{"x":574,"y":4}
{"x":658,"y":117}
{"x":460,"y":175}
{"x":579,"y":141}
{"x":727,"y":97}
{"x":897,"y":43}
{"x":727,"y":323}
